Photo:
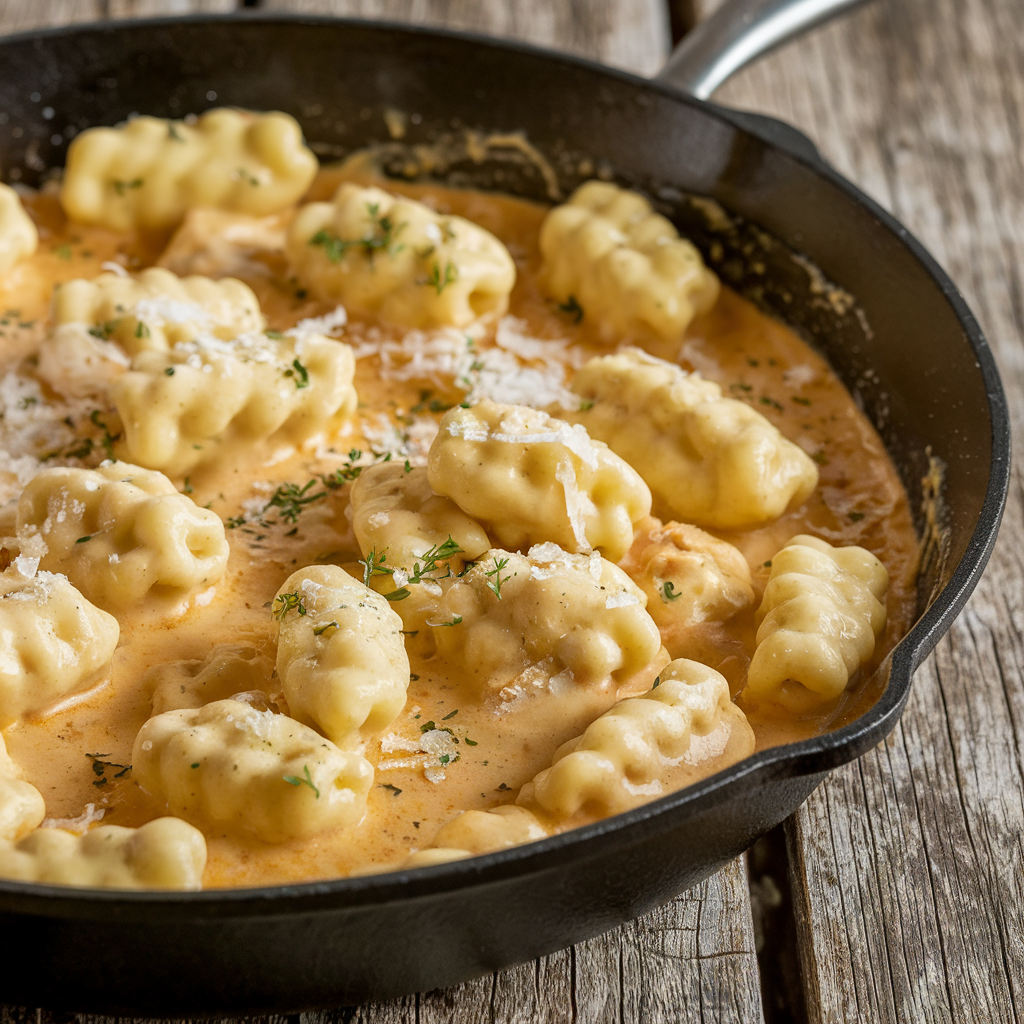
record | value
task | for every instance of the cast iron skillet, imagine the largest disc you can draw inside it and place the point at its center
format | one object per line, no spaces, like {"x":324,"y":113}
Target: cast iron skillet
{"x":910,"y":350}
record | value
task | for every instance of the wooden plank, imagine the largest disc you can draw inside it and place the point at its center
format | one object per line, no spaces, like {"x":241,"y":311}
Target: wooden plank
{"x":907,"y":865}
{"x":692,"y":959}
{"x":631,"y":34}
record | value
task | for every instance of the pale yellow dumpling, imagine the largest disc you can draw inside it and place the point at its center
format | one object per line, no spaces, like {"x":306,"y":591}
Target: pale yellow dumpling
{"x":624,"y":268}
{"x":18,"y":234}
{"x":149,"y":172}
{"x":398,"y":259}
{"x":819,"y":621}
{"x":708,"y":460}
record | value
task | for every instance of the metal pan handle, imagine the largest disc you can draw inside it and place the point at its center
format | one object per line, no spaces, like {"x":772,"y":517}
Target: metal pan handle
{"x":738,"y":32}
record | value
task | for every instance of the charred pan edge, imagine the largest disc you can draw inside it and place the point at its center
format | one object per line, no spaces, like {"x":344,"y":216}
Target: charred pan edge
{"x":807,"y":758}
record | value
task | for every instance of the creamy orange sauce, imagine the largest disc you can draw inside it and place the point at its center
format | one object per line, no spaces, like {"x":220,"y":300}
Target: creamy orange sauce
{"x":860,"y":500}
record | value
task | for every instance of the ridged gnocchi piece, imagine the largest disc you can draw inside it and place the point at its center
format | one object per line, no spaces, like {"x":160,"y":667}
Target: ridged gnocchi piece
{"x":694,"y":583}
{"x":228,"y":767}
{"x":528,"y":478}
{"x":340,"y":654}
{"x":121,"y":533}
{"x":157,"y":309}
{"x":708,"y":460}
{"x":202,"y":399}
{"x":166,"y":853}
{"x":822,"y":613}
{"x":53,"y":642}
{"x":18,"y":234}
{"x":579,"y":619}
{"x":228,"y":669}
{"x":398,"y":259}
{"x":682,"y":730}
{"x":475,"y":832}
{"x":625,"y":267}
{"x":22,"y":807}
{"x":396,"y":514}
{"x":149,"y":172}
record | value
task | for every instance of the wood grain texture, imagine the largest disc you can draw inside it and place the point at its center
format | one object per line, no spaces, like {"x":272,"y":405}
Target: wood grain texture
{"x":631,"y":34}
{"x":908,"y":864}
{"x":694,"y":958}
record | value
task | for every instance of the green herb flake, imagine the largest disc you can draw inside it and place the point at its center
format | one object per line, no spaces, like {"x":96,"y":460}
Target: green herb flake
{"x":169,"y":371}
{"x":63,"y":252}
{"x":187,"y":488}
{"x":669,"y":592}
{"x":427,"y":727}
{"x":439,"y":280}
{"x":301,"y":375}
{"x":451,"y":714}
{"x":274,"y":335}
{"x":494,"y":577}
{"x":141,"y":330}
{"x":290,"y":499}
{"x":120,"y":187}
{"x":285,"y":603}
{"x":656,"y":683}
{"x":173,"y":133}
{"x":856,"y":517}
{"x":320,"y":630}
{"x":307,"y":780}
{"x":395,"y":791}
{"x":451,"y":622}
{"x":765,"y":400}
{"x":504,"y":789}
{"x":800,"y":400}
{"x":571,"y":307}
{"x":82,"y":540}
{"x":586,"y":405}
{"x":471,"y":743}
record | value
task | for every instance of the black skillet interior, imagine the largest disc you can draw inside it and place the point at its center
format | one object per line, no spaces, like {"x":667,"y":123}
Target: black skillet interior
{"x":909,"y":350}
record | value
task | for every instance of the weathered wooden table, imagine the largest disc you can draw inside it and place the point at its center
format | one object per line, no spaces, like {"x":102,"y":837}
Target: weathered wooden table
{"x":897,"y":892}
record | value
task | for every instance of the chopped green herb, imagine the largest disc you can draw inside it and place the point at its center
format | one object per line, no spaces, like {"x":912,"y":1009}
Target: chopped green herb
{"x":656,"y":683}
{"x":105,"y":330}
{"x":451,"y":714}
{"x":374,"y":566}
{"x":169,"y":371}
{"x":428,"y":727}
{"x":99,"y":768}
{"x":438,"y":280}
{"x":141,"y":330}
{"x":82,"y":540}
{"x":291,"y":499}
{"x":800,"y":400}
{"x":63,"y":252}
{"x":471,"y":743}
{"x":188,"y":485}
{"x":295,"y":780}
{"x":765,"y":400}
{"x":274,"y":335}
{"x":195,"y":764}
{"x":505,"y":789}
{"x":766,"y":565}
{"x":820,"y":458}
{"x":586,"y":405}
{"x":173,"y":133}
{"x":395,"y":791}
{"x":284,"y":603}
{"x":740,"y":386}
{"x":451,"y":622}
{"x":320,"y":630}
{"x":571,"y":307}
{"x":444,"y":759}
{"x":301,"y":375}
{"x":495,"y":578}
{"x":247,"y":177}
{"x":856,"y":517}
{"x":669,"y":592}
{"x":120,"y":187}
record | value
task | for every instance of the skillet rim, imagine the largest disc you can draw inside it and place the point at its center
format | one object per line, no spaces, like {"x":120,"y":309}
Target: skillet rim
{"x":815,"y":756}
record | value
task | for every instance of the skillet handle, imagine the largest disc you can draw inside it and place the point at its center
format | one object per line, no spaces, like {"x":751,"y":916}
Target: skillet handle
{"x":738,"y":32}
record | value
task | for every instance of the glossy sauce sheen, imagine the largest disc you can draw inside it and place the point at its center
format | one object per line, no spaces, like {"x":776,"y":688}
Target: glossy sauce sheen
{"x":860,"y":500}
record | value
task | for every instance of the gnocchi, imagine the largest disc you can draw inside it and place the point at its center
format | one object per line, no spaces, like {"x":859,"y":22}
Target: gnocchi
{"x":53,"y":642}
{"x":578,"y":619}
{"x":228,"y":670}
{"x":340,"y":654}
{"x":203,"y":400}
{"x":624,"y":267}
{"x":708,"y":460}
{"x":397,"y":259}
{"x":22,"y":808}
{"x":528,"y":479}
{"x":165,"y":853}
{"x":121,"y":534}
{"x":18,"y":235}
{"x":148,"y":173}
{"x":228,"y":767}
{"x":819,"y":621}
